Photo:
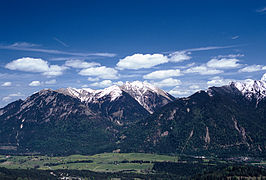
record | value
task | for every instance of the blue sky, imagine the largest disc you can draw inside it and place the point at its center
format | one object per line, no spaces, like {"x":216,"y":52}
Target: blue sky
{"x":181,"y":46}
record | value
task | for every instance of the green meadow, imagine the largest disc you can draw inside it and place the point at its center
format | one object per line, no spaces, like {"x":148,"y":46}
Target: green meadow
{"x":106,"y":162}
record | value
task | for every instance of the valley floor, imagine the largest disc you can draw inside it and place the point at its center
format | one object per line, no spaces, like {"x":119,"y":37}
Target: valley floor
{"x":128,"y":166}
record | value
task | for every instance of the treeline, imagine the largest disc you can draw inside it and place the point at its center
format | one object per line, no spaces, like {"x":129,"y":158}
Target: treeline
{"x":11,"y":174}
{"x":210,"y":171}
{"x":34,"y":174}
{"x":242,"y":172}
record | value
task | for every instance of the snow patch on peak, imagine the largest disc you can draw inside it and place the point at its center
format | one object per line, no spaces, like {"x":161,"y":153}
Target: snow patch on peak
{"x":82,"y":94}
{"x":252,"y":88}
{"x":113,"y":91}
{"x":90,"y":95}
{"x":141,"y":92}
{"x":138,"y":85}
{"x":142,"y":88}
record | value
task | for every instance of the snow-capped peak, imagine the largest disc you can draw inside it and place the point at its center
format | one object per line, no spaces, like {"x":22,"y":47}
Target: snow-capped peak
{"x":263,"y":78}
{"x":144,"y":93}
{"x":90,"y":95}
{"x":113,"y":91}
{"x":142,"y":88}
{"x":141,"y":92}
{"x":82,"y":94}
{"x":252,"y":88}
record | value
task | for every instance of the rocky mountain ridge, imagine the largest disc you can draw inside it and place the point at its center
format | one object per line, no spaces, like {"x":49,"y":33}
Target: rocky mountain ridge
{"x":219,"y":121}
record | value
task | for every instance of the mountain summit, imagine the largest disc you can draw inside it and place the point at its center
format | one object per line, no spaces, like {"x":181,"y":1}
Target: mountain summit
{"x":147,"y":95}
{"x":225,"y":120}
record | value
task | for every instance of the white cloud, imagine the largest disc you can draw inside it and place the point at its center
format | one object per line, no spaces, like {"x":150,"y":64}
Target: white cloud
{"x":194,"y":86}
{"x":35,"y":65}
{"x":203,"y":70}
{"x":253,"y":68}
{"x":169,"y":82}
{"x":80,"y":64}
{"x":6,"y":84}
{"x":25,"y":47}
{"x":102,"y":72}
{"x":181,"y":92}
{"x":231,"y":56}
{"x":138,"y":61}
{"x":53,"y":81}
{"x":185,"y":66}
{"x":223,"y":63}
{"x":29,"y":65}
{"x":218,"y":81}
{"x":10,"y":96}
{"x":209,"y":48}
{"x":235,"y":37}
{"x":55,"y":70}
{"x":35,"y":83}
{"x":119,"y":83}
{"x":162,"y":74}
{"x":104,"y":83}
{"x":179,"y":56}
{"x":262,"y":10}
{"x":93,"y":79}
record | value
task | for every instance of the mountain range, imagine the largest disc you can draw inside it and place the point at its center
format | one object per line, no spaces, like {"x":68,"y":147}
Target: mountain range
{"x":138,"y":117}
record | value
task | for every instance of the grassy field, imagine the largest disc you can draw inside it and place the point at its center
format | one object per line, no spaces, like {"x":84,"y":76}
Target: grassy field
{"x":106,"y":162}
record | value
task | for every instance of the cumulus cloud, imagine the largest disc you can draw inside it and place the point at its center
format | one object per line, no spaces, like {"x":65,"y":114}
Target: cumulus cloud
{"x":162,"y":74}
{"x":138,"y":61}
{"x":104,"y":83}
{"x":55,"y":70}
{"x":80,"y":64}
{"x":178,"y":92}
{"x":11,"y":96}
{"x":6,"y":84}
{"x":203,"y":70}
{"x":102,"y":72}
{"x":169,"y":82}
{"x":50,"y":82}
{"x":179,"y":56}
{"x":35,"y":83}
{"x":93,"y":79}
{"x":36,"y":65}
{"x":194,"y":86}
{"x":223,"y":63}
{"x":218,"y":81}
{"x":253,"y":68}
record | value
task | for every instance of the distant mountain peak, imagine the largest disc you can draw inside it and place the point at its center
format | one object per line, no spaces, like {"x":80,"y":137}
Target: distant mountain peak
{"x":252,"y":88}
{"x":142,"y":92}
{"x":147,"y":95}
